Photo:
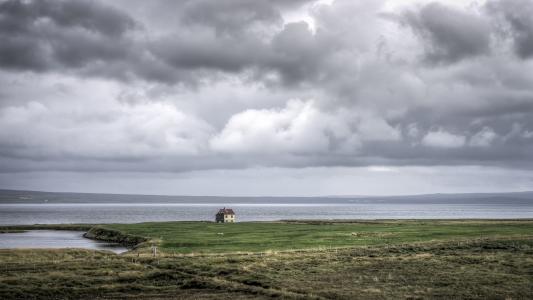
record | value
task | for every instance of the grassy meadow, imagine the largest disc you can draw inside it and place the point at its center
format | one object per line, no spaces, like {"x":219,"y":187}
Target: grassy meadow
{"x":287,"y":260}
{"x":208,"y":237}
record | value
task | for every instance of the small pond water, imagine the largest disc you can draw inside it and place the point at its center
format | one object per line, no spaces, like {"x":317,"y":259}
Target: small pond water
{"x":54,"y":239}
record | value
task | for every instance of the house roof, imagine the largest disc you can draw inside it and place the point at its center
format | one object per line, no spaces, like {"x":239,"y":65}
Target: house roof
{"x":226,"y":211}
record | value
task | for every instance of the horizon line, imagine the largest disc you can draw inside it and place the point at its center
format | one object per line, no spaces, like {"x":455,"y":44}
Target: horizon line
{"x":265,"y":196}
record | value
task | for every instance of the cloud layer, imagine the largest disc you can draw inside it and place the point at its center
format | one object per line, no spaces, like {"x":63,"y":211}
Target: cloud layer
{"x":198,"y":85}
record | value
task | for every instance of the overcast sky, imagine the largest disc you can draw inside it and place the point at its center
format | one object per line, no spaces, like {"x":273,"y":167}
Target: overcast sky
{"x":279,"y":97}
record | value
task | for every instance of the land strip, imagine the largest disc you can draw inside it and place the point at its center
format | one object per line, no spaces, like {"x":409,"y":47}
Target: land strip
{"x":381,"y":260}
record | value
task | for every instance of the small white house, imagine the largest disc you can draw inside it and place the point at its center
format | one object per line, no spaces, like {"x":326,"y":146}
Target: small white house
{"x":225,"y":215}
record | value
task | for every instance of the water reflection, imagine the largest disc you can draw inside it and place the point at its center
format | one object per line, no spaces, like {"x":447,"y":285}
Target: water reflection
{"x":55,"y":239}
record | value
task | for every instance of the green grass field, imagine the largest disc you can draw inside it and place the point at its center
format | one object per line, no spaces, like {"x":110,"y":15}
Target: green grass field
{"x":206,"y":237}
{"x":314,"y":260}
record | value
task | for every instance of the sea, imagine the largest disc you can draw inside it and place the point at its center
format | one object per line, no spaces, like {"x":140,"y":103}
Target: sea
{"x":30,"y":207}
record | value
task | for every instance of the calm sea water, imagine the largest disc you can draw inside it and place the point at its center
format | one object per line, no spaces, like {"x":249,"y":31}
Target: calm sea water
{"x":54,"y":208}
{"x":143,"y":212}
{"x":54,"y":239}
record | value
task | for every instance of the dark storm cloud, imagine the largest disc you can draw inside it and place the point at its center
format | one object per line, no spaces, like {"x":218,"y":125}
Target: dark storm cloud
{"x":22,"y":53}
{"x":229,"y":16}
{"x":18,"y":16}
{"x":216,"y":36}
{"x":450,"y":35}
{"x":299,"y":54}
{"x":49,"y":35}
{"x":517,"y":18}
{"x":208,"y":51}
{"x":219,"y":36}
{"x":294,"y":54}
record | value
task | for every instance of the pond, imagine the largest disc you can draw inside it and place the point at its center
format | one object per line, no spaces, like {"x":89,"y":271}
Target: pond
{"x":54,"y":239}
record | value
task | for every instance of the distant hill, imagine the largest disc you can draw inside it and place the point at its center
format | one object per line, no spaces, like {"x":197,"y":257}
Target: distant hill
{"x":18,"y":196}
{"x":437,"y":196}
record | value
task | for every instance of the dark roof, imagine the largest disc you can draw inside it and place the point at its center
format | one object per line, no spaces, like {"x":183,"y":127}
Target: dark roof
{"x":226,"y":211}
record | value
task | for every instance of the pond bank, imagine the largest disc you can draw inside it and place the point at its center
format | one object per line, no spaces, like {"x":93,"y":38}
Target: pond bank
{"x":88,"y":231}
{"x":55,"y":239}
{"x":115,"y":236}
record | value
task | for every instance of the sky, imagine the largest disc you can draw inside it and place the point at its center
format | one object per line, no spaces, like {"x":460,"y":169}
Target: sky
{"x":274,"y":97}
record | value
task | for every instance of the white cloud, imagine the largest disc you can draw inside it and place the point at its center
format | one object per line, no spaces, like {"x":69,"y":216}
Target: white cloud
{"x":443,"y":139}
{"x":300,"y":128}
{"x":382,"y":169}
{"x":118,"y":131}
